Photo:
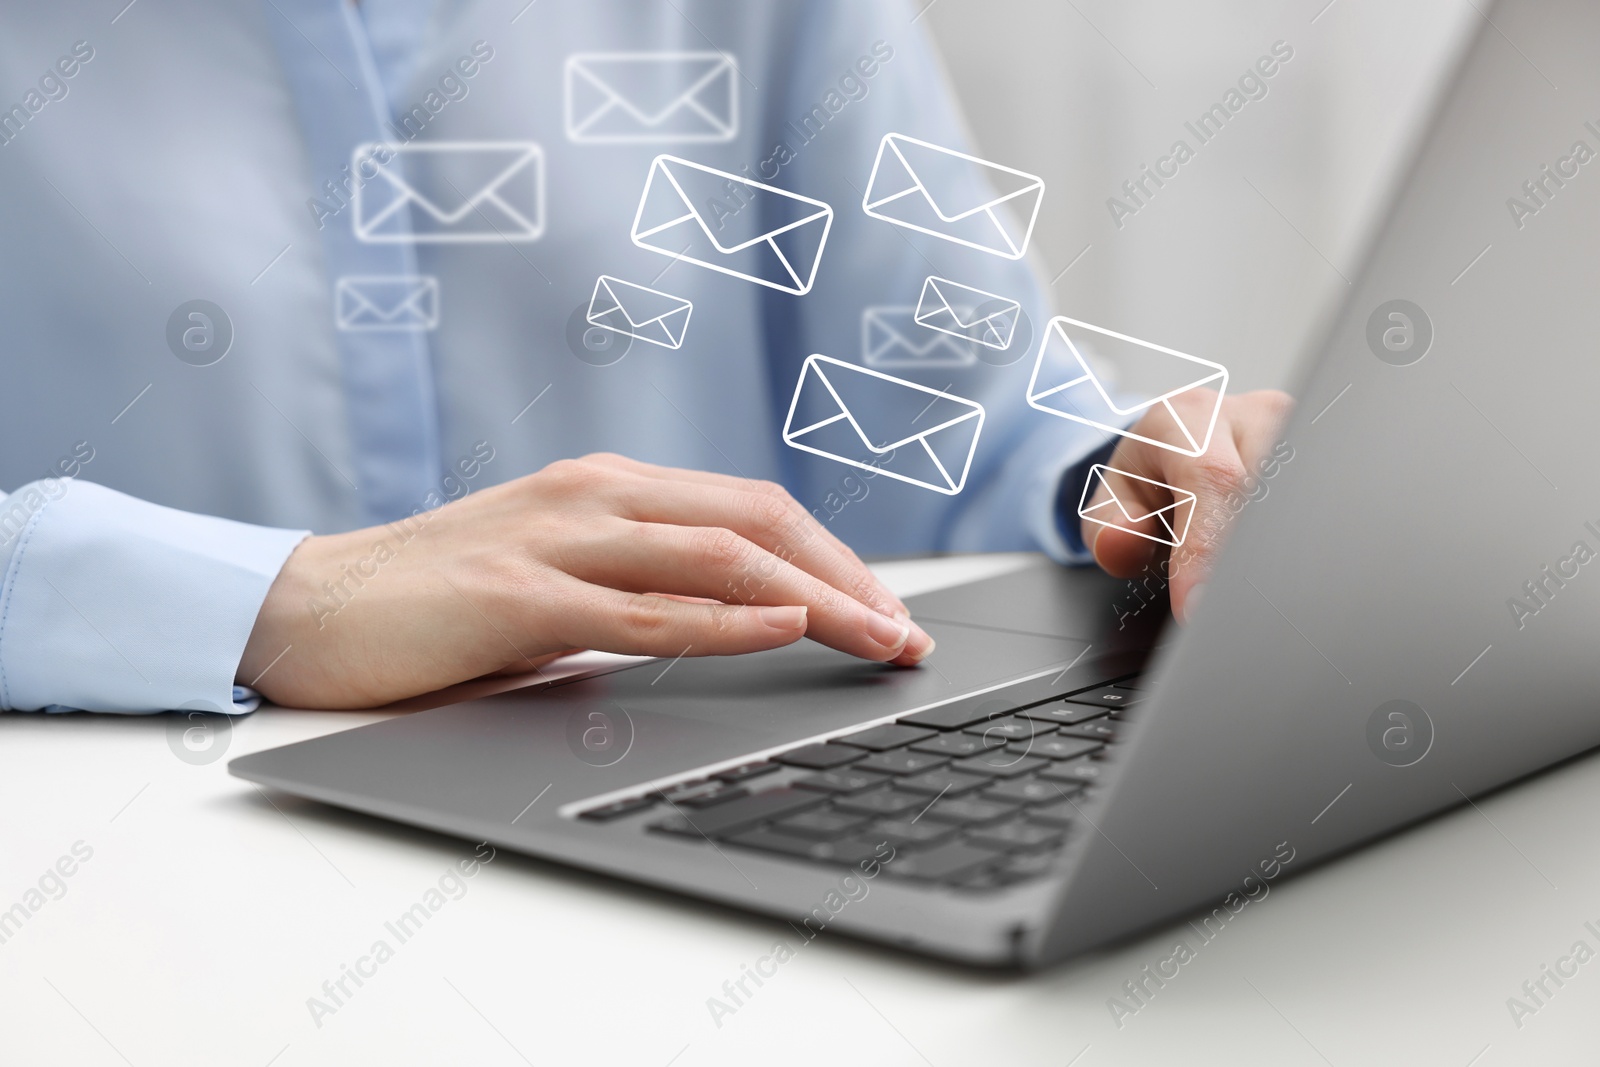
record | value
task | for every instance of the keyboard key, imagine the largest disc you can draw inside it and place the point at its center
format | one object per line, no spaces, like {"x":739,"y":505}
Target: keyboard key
{"x":747,"y":771}
{"x":941,"y":863}
{"x":848,"y":780}
{"x":1002,"y":762}
{"x":1020,"y":865}
{"x":1023,"y":791}
{"x":1107,"y":696}
{"x":1009,"y":728}
{"x":890,"y":735}
{"x":821,"y":823}
{"x":1060,"y":814}
{"x":1080,"y":772}
{"x":901,"y":762}
{"x":903,"y":833}
{"x":1098,"y":730}
{"x":715,"y":796}
{"x":689,"y":789}
{"x":820,"y":757}
{"x":1062,"y":748}
{"x":745,"y":811}
{"x":952,"y":745}
{"x":617,"y":809}
{"x":942,"y":781}
{"x":965,"y":712}
{"x":1064,"y":713}
{"x":1135,"y":683}
{"x":847,"y":852}
{"x":968,"y":810}
{"x":1016,"y":836}
{"x":882,"y":802}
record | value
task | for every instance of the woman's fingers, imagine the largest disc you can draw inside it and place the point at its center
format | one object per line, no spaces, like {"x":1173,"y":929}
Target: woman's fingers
{"x":699,"y":561}
{"x":637,"y":624}
{"x":792,"y":527}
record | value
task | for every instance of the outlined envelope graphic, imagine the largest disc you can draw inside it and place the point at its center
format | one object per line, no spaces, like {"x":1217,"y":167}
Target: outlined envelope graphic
{"x":732,"y":225}
{"x":962,"y":311}
{"x":402,"y":302}
{"x":890,"y":337}
{"x":1079,"y":365}
{"x":871,"y":420}
{"x":647,"y":314}
{"x":949,"y":194}
{"x":450,"y":192}
{"x":644,"y":97}
{"x":1166,"y":521}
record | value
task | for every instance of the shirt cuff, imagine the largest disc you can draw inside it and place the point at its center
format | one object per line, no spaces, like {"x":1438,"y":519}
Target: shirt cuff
{"x":109,"y":603}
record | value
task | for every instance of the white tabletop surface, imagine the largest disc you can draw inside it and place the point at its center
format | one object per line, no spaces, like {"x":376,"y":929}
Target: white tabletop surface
{"x":207,"y":914}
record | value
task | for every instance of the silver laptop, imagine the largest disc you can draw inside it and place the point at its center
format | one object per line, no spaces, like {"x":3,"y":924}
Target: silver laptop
{"x":1403,"y":618}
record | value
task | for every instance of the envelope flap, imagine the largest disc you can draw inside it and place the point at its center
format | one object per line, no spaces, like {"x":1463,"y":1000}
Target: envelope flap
{"x":641,"y":306}
{"x":889,"y":412}
{"x":898,"y":327}
{"x":1141,"y":373}
{"x":448,"y":179}
{"x":1124,"y":490}
{"x":652,"y":87}
{"x":385,"y":297}
{"x":733,"y":212}
{"x":956,"y":184}
{"x":968,"y":306}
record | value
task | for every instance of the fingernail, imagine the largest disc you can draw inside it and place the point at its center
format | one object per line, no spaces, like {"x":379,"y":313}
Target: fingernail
{"x":919,"y":646}
{"x":783,"y":618}
{"x":892,"y":635}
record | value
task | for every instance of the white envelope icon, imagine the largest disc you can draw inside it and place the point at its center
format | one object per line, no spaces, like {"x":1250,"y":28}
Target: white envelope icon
{"x":1167,"y":523}
{"x":952,"y":195}
{"x":450,"y":192}
{"x":962,"y":311}
{"x":404,"y":302}
{"x":647,"y":314}
{"x":876,"y":422}
{"x":642,"y":97}
{"x":732,"y":225}
{"x":1078,"y":365}
{"x":890,"y":338}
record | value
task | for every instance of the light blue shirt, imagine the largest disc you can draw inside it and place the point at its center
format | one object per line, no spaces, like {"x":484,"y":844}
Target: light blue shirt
{"x":199,"y":151}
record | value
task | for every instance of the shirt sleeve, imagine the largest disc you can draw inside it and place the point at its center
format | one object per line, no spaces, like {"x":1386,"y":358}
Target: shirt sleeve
{"x":109,"y":603}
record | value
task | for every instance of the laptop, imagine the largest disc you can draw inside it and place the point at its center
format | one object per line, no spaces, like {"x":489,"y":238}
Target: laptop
{"x":1403,"y":617}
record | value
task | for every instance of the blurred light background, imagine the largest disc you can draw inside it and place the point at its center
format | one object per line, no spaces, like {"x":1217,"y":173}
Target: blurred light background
{"x":1240,"y":257}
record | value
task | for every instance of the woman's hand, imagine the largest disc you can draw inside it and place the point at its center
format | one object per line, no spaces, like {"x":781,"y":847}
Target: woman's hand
{"x":1241,"y":452}
{"x":601,"y":552}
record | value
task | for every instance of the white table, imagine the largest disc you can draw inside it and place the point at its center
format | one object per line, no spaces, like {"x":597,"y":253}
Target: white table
{"x":208,"y":914}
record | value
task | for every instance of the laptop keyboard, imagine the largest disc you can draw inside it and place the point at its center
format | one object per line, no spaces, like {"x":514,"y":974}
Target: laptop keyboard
{"x":980,"y":793}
